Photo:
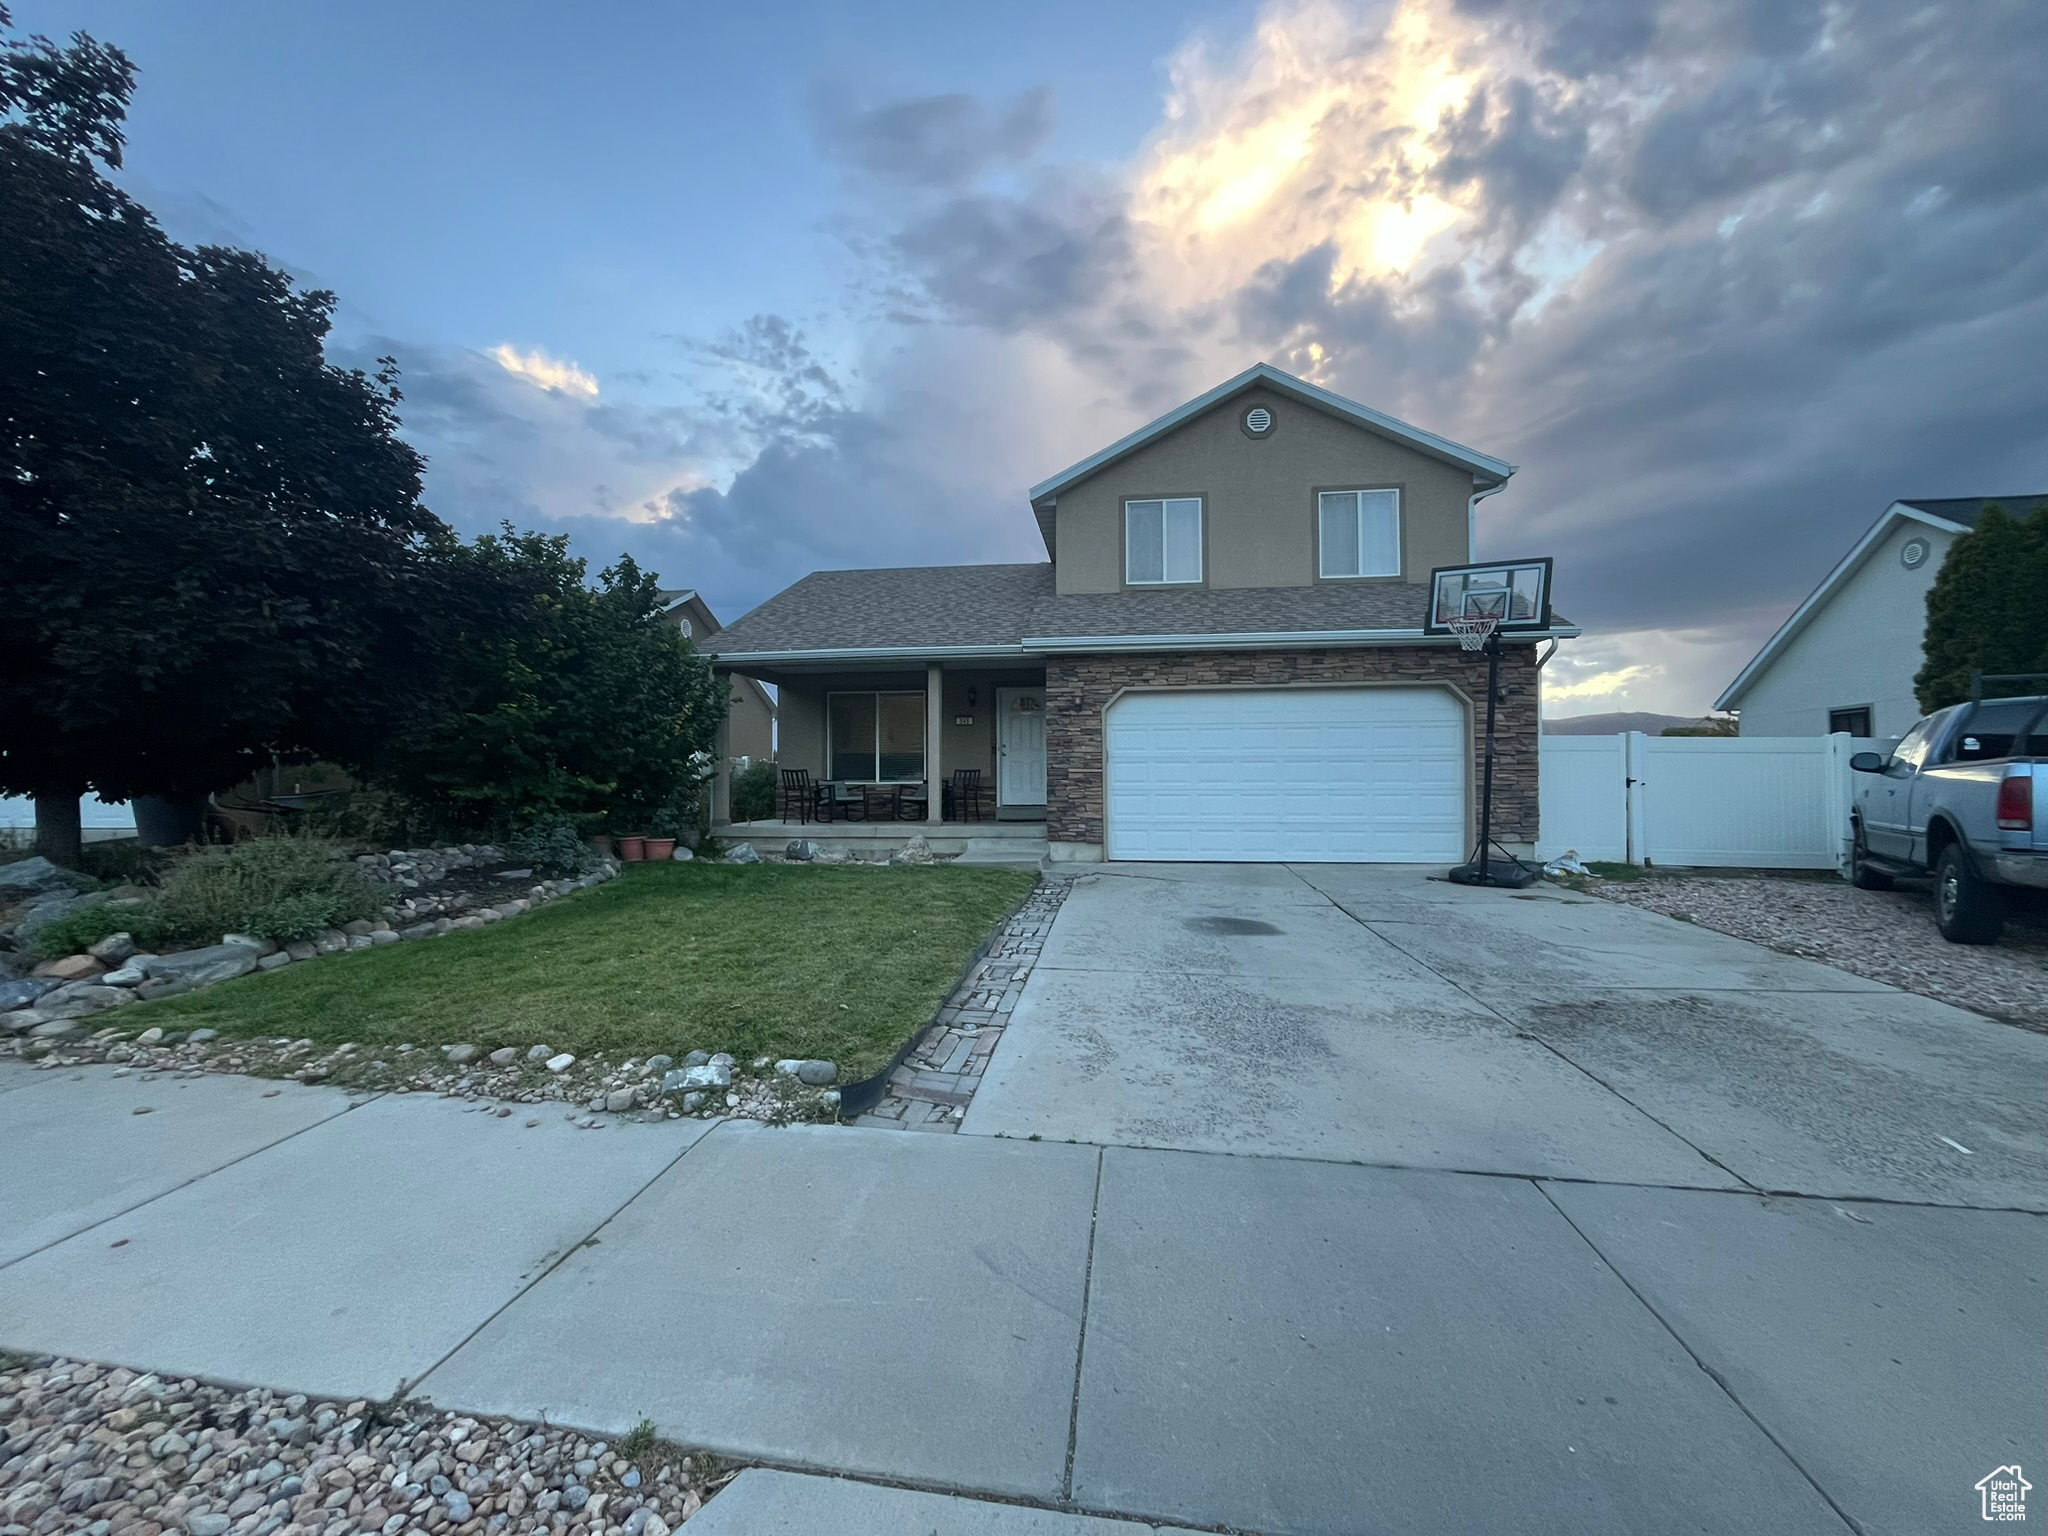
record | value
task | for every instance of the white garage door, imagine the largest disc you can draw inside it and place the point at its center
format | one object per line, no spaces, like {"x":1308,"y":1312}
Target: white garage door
{"x":1343,"y":775}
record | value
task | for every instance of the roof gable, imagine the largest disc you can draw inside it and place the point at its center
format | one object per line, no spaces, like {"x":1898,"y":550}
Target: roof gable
{"x":1485,"y":469}
{"x":1898,"y":512}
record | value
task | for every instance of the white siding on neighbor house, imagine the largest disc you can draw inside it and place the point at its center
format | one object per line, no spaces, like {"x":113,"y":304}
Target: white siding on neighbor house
{"x":1861,"y":647}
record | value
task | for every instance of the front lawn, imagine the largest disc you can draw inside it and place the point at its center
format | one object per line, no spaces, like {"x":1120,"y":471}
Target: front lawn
{"x":759,"y":960}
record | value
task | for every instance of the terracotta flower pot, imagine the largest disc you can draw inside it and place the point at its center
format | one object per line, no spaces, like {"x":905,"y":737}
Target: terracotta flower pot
{"x":600,"y":844}
{"x":632,"y":849}
{"x":661,"y":849}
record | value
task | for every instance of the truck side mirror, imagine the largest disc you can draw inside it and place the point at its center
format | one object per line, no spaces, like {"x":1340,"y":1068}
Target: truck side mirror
{"x":1868,"y":762}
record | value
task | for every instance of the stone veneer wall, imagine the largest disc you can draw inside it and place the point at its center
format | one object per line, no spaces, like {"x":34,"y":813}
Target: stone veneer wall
{"x":1079,"y":688}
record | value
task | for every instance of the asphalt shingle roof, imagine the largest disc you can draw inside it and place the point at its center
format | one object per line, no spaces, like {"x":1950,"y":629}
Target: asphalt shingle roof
{"x":886,"y":609}
{"x":1234,"y":610}
{"x":995,"y":605}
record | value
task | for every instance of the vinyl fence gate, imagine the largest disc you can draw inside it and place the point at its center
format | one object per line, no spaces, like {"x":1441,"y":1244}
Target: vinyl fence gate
{"x":1748,"y":802}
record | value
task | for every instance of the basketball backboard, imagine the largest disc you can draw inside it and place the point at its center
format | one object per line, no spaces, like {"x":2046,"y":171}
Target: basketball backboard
{"x":1514,"y":592}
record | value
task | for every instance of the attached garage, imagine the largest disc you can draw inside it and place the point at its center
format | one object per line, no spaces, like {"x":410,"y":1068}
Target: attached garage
{"x":1305,"y":775}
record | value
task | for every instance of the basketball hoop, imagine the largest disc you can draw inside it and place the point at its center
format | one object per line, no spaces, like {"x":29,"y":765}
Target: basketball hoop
{"x":1473,"y":629}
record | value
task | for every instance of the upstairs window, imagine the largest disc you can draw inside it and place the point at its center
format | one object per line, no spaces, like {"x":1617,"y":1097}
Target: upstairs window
{"x":1359,"y":533}
{"x":1163,"y":541}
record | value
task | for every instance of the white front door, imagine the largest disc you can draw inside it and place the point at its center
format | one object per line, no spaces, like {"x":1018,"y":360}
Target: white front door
{"x":1364,"y":775}
{"x":1020,"y":746}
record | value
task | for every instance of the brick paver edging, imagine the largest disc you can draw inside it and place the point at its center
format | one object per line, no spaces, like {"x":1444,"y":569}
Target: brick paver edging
{"x":930,"y":1091}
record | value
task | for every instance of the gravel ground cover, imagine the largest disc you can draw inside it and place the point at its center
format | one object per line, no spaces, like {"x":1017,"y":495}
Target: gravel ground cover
{"x":110,"y":1452}
{"x":1887,"y":936}
{"x":594,"y":1092}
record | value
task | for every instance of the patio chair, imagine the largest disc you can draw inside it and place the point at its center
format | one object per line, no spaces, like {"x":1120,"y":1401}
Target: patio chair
{"x":963,"y":795}
{"x":912,"y":801}
{"x":797,"y":794}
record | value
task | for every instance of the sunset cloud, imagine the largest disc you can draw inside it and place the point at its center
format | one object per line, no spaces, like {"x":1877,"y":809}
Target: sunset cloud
{"x":558,"y":375}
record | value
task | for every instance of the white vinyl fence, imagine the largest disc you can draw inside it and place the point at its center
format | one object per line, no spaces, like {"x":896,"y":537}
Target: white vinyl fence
{"x":1754,"y":802}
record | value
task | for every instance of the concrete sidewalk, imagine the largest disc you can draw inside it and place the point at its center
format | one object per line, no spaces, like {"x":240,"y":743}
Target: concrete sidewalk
{"x":1268,"y":1344}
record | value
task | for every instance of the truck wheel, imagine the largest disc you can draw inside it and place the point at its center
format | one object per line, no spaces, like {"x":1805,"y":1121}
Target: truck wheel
{"x":1966,"y":910}
{"x":1861,"y":875}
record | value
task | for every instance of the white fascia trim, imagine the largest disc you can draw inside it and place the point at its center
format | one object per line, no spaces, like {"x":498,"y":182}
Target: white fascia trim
{"x":1257,"y":640}
{"x":1287,"y":384}
{"x":879,"y":653}
{"x":1897,"y":512}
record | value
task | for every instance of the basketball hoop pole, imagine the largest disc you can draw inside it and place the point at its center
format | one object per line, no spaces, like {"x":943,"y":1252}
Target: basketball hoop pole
{"x":1486,"y":779}
{"x":1513,"y":873}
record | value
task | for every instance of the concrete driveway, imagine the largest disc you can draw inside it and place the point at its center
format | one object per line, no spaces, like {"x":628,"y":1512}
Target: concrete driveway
{"x":1374,"y":1015}
{"x":1356,"y":1203}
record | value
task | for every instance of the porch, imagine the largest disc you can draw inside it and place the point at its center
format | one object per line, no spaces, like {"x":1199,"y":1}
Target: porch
{"x":951,"y":747}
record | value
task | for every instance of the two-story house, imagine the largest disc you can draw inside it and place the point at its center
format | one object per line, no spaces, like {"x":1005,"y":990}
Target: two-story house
{"x":1222,"y":658}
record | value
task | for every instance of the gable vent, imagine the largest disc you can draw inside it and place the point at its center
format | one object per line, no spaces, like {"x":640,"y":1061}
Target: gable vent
{"x":1258,"y":419}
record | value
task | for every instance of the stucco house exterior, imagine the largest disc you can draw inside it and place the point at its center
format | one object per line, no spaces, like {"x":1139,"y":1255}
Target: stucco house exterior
{"x":750,"y":726}
{"x":1846,"y":658}
{"x":1222,"y":657}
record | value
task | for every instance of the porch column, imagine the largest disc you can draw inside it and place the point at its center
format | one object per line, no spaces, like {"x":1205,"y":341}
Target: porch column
{"x":934,"y":724}
{"x":721,"y":750}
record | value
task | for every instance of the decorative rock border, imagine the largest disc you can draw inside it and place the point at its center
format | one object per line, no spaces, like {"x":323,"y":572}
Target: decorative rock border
{"x":594,"y":1093}
{"x":114,"y":972}
{"x":116,"y":1453}
{"x":931,"y":1090}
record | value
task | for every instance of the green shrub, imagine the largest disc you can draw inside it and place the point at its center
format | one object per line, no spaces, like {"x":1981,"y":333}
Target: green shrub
{"x":753,"y":793}
{"x":79,"y":930}
{"x":371,"y":818}
{"x":272,"y":887}
{"x":124,"y":861}
{"x":551,"y":843}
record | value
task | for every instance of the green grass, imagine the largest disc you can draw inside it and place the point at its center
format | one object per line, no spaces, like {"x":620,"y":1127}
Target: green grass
{"x":1607,"y":871}
{"x":759,"y":960}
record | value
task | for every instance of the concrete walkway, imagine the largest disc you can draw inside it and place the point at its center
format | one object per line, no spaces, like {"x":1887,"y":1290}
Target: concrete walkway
{"x":1316,"y":1238}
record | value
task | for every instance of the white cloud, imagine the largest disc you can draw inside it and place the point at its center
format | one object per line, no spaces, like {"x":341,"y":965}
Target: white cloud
{"x":1664,"y":671}
{"x":1323,"y":130}
{"x":1599,"y":685}
{"x":557,"y":375}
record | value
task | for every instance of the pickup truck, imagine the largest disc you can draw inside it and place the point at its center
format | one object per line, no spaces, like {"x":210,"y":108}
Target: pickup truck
{"x":1959,"y":799}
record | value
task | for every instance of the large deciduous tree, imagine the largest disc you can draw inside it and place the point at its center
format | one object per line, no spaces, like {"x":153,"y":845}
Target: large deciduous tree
{"x":211,"y":539}
{"x":563,"y":698}
{"x":1988,"y":607}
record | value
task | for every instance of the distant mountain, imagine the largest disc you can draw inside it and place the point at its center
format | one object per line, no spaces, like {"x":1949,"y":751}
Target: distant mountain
{"x":1615,"y":724}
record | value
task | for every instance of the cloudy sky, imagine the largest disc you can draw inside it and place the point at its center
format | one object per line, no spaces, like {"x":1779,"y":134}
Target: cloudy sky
{"x":750,"y":291}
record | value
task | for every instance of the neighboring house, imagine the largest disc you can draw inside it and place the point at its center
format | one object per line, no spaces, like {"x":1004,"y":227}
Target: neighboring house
{"x":750,"y":727}
{"x":1846,"y":659}
{"x":1223,"y":657}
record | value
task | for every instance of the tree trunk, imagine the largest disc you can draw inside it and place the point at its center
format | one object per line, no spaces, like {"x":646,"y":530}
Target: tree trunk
{"x":169,"y":821}
{"x":57,"y":826}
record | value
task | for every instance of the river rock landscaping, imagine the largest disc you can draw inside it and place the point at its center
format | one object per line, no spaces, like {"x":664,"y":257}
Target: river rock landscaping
{"x":1887,"y":936}
{"x":433,"y":892}
{"x":111,"y":1452}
